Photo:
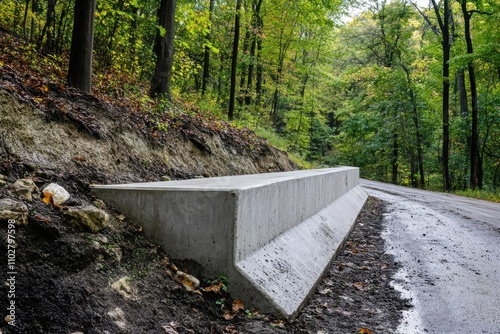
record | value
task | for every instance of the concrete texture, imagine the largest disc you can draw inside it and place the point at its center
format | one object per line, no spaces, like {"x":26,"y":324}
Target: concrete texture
{"x":272,"y":235}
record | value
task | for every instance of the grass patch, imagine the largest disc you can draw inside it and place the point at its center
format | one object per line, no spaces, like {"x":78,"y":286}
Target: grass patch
{"x":488,"y":195}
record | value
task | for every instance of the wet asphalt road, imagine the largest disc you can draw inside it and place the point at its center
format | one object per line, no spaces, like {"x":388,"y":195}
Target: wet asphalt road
{"x":449,"y":247}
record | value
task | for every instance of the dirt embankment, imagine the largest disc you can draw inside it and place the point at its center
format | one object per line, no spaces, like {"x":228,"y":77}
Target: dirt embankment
{"x":81,"y":134}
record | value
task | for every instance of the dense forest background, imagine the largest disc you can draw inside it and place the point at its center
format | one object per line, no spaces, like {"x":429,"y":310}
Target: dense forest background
{"x":409,"y":93}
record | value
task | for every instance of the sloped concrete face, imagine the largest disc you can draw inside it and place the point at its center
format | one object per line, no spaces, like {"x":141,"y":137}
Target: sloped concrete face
{"x":272,"y":235}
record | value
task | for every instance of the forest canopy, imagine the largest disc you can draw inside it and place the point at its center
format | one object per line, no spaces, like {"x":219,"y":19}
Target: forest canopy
{"x":408,"y":93}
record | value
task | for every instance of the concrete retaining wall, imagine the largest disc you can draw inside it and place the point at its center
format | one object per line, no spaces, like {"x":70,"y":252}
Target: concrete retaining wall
{"x":272,"y":235}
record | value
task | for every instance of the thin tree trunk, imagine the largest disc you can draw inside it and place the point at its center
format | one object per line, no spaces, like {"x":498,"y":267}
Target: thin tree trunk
{"x":256,"y":32}
{"x":475,"y":161}
{"x":243,"y":76}
{"x":394,"y":159}
{"x":234,"y":61}
{"x":48,"y":28}
{"x":25,"y":17}
{"x":444,"y":23}
{"x":206,"y":56}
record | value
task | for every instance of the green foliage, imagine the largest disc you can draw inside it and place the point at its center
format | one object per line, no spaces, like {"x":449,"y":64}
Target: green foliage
{"x":363,"y":92}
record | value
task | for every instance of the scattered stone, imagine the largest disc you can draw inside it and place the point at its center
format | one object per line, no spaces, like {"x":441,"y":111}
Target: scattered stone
{"x":190,"y":283}
{"x":10,"y":209}
{"x":3,"y":182}
{"x":88,"y":216}
{"x":24,"y":188}
{"x":166,"y":178}
{"x":117,"y":252}
{"x":59,"y":194}
{"x":169,"y":329}
{"x":119,"y":316}
{"x":122,"y":287}
{"x":102,"y":238}
{"x":99,"y":203}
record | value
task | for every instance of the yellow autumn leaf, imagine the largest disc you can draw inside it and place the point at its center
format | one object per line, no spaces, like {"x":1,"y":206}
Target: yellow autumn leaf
{"x":48,"y":198}
{"x":38,"y":100}
{"x":364,"y":330}
{"x":44,"y":89}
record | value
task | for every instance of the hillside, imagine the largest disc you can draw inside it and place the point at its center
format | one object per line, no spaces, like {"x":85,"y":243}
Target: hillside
{"x":73,"y":277}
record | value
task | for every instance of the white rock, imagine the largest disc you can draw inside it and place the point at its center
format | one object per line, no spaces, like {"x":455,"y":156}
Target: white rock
{"x":59,"y":194}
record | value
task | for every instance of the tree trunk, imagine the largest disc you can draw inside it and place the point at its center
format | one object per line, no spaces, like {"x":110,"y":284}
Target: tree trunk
{"x":164,"y":50}
{"x":48,"y":28}
{"x":418,"y":133}
{"x":206,"y":56}
{"x":394,"y":159}
{"x":60,"y":31}
{"x":25,"y":17}
{"x":256,"y":32}
{"x":475,"y":161}
{"x":444,"y":24}
{"x":234,"y":61}
{"x":260,"y":68}
{"x":243,"y":75}
{"x":82,"y":41}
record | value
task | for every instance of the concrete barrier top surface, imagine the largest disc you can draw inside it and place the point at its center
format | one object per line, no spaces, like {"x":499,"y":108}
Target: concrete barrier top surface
{"x":224,"y":183}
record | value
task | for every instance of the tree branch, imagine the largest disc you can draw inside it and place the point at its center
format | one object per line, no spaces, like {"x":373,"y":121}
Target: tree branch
{"x":426,"y":18}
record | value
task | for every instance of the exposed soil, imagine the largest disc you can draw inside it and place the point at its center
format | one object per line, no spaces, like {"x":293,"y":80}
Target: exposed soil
{"x":116,"y":281}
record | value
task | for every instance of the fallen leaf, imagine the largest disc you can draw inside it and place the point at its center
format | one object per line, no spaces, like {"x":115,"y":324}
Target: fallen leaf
{"x":214,"y":288}
{"x":44,"y":89}
{"x":228,"y":315}
{"x":364,"y":330}
{"x":238,"y":305}
{"x":359,"y":286}
{"x":325,"y":291}
{"x":230,"y":330}
{"x":41,"y":218}
{"x":48,"y":198}
{"x":278,"y":323}
{"x":80,"y":158}
{"x":38,"y":100}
